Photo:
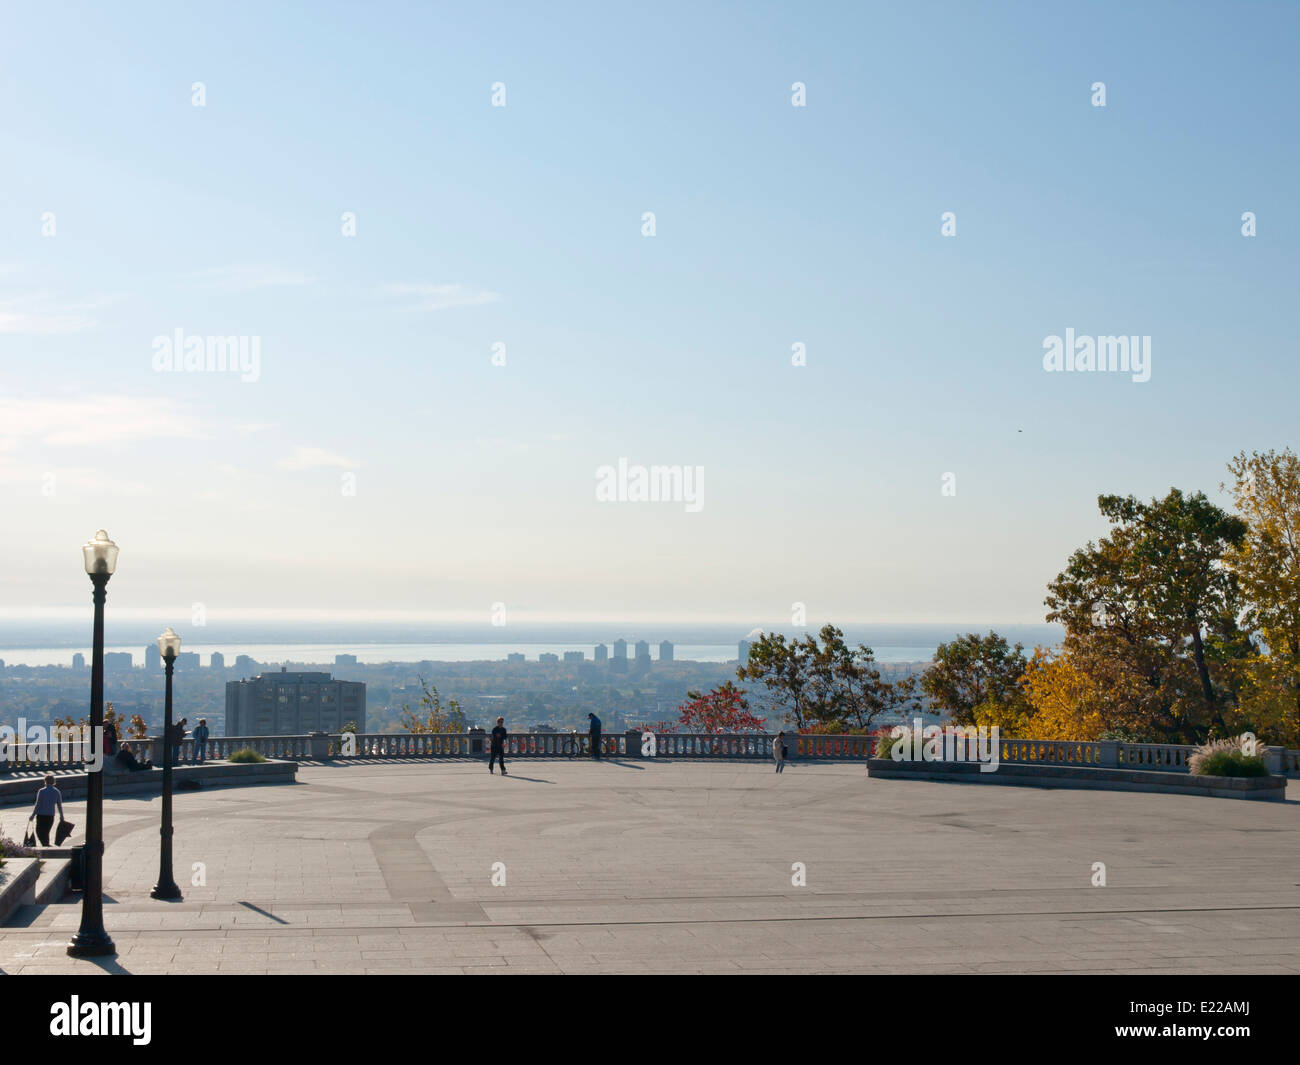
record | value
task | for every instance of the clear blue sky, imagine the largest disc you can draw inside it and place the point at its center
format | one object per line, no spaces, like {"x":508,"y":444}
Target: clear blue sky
{"x":475,"y":483}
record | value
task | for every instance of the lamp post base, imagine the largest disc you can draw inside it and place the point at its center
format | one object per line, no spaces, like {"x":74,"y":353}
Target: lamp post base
{"x":167,"y":891}
{"x":91,"y":945}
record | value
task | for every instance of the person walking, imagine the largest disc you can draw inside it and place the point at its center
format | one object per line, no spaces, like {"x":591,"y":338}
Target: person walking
{"x":499,"y":735}
{"x":48,"y":799}
{"x":201,"y":741}
{"x":594,"y":736}
{"x":778,"y":751}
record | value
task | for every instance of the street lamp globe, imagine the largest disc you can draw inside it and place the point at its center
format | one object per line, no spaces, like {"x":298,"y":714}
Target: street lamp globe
{"x":100,"y":554}
{"x":169,"y":644}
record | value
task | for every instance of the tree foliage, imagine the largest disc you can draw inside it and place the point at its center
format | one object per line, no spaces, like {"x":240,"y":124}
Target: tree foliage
{"x":1266,"y":564}
{"x":723,"y":709}
{"x":977,"y":672}
{"x":815,"y":681}
{"x":1151,"y":614}
{"x":432,"y":716}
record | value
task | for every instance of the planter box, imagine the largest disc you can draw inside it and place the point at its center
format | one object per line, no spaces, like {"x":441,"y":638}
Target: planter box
{"x":18,"y":888}
{"x":1268,"y":789}
{"x":210,"y":774}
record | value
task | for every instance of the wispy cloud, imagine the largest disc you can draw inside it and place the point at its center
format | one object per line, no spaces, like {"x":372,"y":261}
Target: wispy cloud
{"x":244,"y":278}
{"x":44,"y":313}
{"x":441,"y":297}
{"x":249,"y":428}
{"x":314,"y":458}
{"x":94,"y":420}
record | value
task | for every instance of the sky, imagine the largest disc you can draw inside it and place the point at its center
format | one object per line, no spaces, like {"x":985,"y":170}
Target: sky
{"x":920,"y":465}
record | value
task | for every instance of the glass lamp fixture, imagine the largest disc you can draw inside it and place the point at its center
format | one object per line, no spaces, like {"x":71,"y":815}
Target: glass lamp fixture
{"x":169,"y":644}
{"x":100,"y":554}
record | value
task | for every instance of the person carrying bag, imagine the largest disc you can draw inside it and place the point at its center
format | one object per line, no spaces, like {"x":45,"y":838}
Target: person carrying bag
{"x":48,"y":799}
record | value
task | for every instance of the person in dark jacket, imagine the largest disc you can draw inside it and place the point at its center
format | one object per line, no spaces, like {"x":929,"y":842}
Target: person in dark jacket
{"x":126,"y":758}
{"x":177,"y":738}
{"x":110,"y":739}
{"x":499,"y":735}
{"x":594,"y":734}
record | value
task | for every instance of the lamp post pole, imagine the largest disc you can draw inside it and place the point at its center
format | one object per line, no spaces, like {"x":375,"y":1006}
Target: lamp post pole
{"x":166,"y":887}
{"x":91,"y":940}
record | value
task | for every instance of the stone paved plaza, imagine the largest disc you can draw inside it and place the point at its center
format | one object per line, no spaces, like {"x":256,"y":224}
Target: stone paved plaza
{"x":627,"y":866}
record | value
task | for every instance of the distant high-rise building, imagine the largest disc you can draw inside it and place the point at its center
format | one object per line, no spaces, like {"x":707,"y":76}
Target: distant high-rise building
{"x":742,"y":651}
{"x":117,"y":660}
{"x":601,"y":652}
{"x":187,"y":660}
{"x":288,"y":704}
{"x":217,"y":661}
{"x":619,"y":663}
{"x":345,"y":660}
{"x":548,"y":659}
{"x":515,"y":659}
{"x":246,"y":664}
{"x":666,"y":651}
{"x":642,"y":650}
{"x":575,"y":656}
{"x":78,"y":661}
{"x":152,"y":658}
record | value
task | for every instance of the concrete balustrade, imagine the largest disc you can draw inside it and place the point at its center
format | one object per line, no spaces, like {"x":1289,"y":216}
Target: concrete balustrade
{"x":325,"y":746}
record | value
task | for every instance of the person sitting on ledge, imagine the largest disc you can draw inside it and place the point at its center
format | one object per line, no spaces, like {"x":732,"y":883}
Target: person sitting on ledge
{"x":127,"y":759}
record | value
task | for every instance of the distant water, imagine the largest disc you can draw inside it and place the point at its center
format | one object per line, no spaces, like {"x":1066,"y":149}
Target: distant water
{"x":323,"y":654}
{"x":54,"y":643}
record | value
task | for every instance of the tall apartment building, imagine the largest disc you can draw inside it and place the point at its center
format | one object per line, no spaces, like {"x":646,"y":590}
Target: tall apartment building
{"x":217,"y":660}
{"x":601,"y":652}
{"x":574,"y":656}
{"x":666,"y":651}
{"x":289,"y":704}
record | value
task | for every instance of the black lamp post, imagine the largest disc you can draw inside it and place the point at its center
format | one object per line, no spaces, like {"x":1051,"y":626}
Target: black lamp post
{"x":169,"y":646}
{"x":91,"y":941}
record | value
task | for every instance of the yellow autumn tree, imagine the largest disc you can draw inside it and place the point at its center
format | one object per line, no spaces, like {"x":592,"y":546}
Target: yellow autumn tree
{"x":1266,"y":564}
{"x":1062,"y":699}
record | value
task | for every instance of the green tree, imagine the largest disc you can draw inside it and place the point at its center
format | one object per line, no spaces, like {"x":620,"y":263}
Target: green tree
{"x":822,"y":681}
{"x":976,"y":671}
{"x":1154,"y":608}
